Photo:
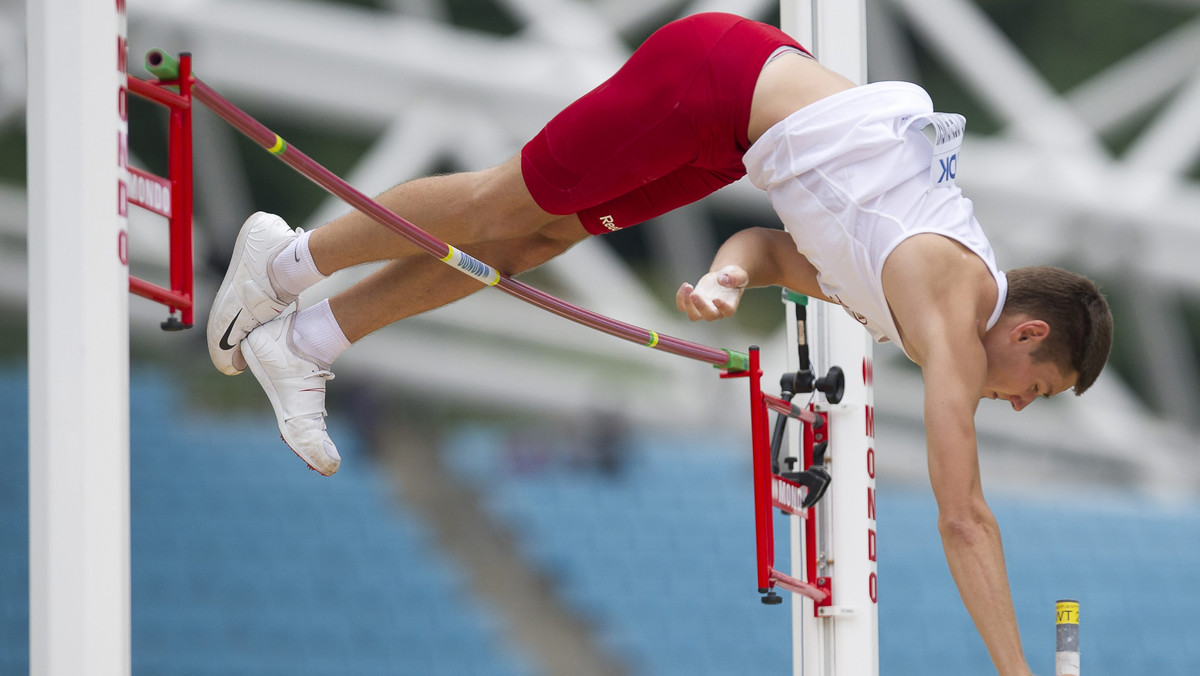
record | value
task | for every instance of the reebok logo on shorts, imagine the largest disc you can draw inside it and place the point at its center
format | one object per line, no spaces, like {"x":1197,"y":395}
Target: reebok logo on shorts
{"x":608,"y":222}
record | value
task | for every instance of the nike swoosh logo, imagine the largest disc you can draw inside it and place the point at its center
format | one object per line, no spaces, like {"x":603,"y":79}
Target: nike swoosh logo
{"x":296,"y":253}
{"x":224,"y":344}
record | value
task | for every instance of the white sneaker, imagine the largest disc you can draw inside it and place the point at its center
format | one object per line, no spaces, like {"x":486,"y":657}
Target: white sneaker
{"x":296,"y":387}
{"x":247,"y":297}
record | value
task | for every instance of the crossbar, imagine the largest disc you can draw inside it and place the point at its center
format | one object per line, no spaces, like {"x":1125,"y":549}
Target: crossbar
{"x":165,"y":68}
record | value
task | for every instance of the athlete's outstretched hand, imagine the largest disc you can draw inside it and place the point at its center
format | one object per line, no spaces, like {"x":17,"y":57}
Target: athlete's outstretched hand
{"x":715,"y":296}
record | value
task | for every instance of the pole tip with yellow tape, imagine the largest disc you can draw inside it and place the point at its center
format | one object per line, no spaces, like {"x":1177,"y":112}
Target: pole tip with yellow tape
{"x":1066,"y":656}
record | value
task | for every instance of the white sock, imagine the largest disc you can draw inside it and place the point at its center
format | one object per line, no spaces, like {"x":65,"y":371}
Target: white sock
{"x":294,"y":269}
{"x":316,"y":333}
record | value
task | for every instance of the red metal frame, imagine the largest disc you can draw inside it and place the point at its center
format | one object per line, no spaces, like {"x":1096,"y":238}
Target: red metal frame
{"x":813,"y":435}
{"x":180,"y":297}
{"x":767,"y":487}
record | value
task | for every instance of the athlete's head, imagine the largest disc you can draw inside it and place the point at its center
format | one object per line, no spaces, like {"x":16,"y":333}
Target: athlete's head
{"x":1076,"y":315}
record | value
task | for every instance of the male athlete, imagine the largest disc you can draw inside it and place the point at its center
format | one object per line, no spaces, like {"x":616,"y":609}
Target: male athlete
{"x":703,"y":102}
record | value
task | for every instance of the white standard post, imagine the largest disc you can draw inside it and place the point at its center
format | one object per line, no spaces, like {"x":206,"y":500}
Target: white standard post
{"x":79,"y":571}
{"x":844,"y":641}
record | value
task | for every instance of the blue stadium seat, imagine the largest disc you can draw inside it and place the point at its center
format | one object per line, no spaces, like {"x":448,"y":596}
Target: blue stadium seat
{"x":227,"y":576}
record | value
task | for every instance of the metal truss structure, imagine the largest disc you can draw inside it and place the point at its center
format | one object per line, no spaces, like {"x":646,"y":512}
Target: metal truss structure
{"x":434,"y":94}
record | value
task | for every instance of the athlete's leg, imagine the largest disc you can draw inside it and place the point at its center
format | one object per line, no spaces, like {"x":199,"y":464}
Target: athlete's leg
{"x":281,"y":352}
{"x":412,"y":285}
{"x":459,"y":209}
{"x":272,"y":265}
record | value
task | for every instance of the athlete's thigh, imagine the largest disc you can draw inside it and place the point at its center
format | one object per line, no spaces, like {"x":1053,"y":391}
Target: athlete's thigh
{"x":681,"y":186}
{"x":500,"y":203}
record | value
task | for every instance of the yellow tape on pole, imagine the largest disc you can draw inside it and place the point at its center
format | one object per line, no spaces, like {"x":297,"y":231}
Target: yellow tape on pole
{"x":1066,"y":656}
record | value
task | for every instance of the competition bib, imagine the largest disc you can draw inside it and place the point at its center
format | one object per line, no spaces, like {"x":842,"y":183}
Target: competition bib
{"x":946,"y":130}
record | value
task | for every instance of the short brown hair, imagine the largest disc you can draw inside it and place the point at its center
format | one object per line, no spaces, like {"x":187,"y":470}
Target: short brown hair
{"x":1080,"y":322}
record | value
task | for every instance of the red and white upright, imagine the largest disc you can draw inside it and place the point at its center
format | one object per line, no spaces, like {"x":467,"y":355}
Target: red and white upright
{"x":79,"y":569}
{"x":835,"y":547}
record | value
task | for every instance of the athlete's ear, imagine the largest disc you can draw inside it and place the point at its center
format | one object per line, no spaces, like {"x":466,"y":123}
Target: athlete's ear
{"x":1034,"y":330}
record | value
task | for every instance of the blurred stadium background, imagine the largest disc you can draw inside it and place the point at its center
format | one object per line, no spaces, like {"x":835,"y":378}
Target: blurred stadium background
{"x":512,"y":506}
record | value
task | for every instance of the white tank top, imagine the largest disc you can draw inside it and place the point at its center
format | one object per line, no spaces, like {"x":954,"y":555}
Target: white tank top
{"x":852,"y":175}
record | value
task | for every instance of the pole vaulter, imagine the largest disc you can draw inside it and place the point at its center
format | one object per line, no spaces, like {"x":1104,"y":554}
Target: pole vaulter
{"x":955,"y":354}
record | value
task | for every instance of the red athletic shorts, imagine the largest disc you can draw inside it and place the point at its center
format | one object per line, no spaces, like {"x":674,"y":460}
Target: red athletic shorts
{"x":668,"y":128}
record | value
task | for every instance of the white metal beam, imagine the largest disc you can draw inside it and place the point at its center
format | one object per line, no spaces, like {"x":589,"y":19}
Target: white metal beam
{"x":1170,"y":146}
{"x":988,"y":64}
{"x":1136,"y":83}
{"x":357,"y":67}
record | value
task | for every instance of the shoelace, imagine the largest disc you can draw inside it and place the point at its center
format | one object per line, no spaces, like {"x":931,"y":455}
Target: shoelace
{"x":323,"y":374}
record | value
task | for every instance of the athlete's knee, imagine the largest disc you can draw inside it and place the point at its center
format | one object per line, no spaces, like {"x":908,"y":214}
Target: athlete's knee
{"x":526,"y":253}
{"x":499,"y":205}
{"x":547,"y":245}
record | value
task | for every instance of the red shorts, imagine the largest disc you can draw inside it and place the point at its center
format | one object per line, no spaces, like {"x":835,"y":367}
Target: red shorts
{"x":668,"y":128}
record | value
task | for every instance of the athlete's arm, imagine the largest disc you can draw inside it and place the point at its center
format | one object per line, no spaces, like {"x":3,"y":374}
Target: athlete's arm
{"x":941,"y":296}
{"x":954,"y":375}
{"x":751,"y":258}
